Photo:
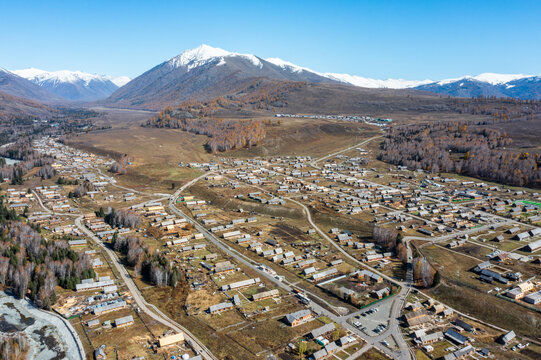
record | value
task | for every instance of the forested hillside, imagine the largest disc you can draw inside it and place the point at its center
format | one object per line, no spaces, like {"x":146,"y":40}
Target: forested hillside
{"x":32,"y":265}
{"x":202,"y":117}
{"x":467,"y":149}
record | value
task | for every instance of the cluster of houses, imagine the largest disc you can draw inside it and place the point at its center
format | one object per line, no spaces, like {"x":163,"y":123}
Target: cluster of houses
{"x":425,"y":331}
{"x":44,"y":219}
{"x":381,"y":122}
{"x":321,"y":335}
{"x":235,"y":286}
{"x":519,"y":210}
{"x":19,"y":199}
{"x":69,"y":161}
{"x":100,"y":228}
{"x":423,"y":313}
{"x":54,"y":200}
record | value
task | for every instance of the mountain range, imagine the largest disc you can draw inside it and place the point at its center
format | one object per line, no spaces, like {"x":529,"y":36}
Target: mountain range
{"x":202,"y":73}
{"x":207,"y":72}
{"x":17,"y":86}
{"x":73,"y":85}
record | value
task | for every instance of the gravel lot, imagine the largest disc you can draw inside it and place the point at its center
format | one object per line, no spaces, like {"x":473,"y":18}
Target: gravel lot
{"x":371,"y":321}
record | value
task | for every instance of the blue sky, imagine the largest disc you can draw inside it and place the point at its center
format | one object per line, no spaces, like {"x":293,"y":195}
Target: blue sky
{"x":380,"y":39}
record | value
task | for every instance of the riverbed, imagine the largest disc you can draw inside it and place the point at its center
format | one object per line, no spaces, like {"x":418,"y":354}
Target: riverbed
{"x":49,"y":337}
{"x":11,"y":161}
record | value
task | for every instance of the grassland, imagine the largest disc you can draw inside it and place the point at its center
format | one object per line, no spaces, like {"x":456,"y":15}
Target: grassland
{"x":461,"y":290}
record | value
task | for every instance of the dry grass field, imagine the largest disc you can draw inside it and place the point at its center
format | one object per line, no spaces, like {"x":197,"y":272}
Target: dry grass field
{"x":461,"y":290}
{"x":157,"y":152}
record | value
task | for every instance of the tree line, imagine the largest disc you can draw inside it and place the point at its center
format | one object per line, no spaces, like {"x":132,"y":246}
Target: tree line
{"x":120,"y":166}
{"x":28,"y":158}
{"x":32,"y":266}
{"x":458,"y":147}
{"x":13,"y":346}
{"x":154,"y":267}
{"x":499,"y":109}
{"x":120,"y":218}
{"x":424,"y":274}
{"x":224,"y":134}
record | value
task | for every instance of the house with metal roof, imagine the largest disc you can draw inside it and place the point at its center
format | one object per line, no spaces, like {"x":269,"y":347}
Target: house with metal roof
{"x":214,"y":309}
{"x":298,"y":317}
{"x":463,"y":325}
{"x":325,"y":329}
{"x":456,"y":337}
{"x":124,"y":321}
{"x":534,"y":298}
{"x":507,"y":338}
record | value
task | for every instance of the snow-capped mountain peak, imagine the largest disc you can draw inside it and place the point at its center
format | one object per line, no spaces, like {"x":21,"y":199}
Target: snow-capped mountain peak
{"x":286,"y":65}
{"x":72,"y":85}
{"x":203,"y":54}
{"x":63,"y":76}
{"x":120,"y":80}
{"x":351,"y":79}
{"x":376,"y":83}
{"x":490,"y":78}
{"x":498,"y":79}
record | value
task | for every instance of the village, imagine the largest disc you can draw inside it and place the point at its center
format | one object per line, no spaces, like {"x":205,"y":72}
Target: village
{"x":285,"y":246}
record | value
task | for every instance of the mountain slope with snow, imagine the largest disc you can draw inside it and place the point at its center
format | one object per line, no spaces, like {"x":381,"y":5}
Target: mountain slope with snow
{"x":120,"y":80}
{"x":19,"y":87}
{"x":71,"y":85}
{"x":286,"y":65}
{"x":206,"y":72}
{"x":488,"y":84}
{"x":490,"y":78}
{"x":375,"y":83}
{"x":203,"y":54}
{"x":202,"y":73}
{"x":352,"y":79}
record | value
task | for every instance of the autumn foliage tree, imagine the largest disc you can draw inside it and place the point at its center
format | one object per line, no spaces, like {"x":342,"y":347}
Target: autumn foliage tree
{"x":154,"y":267}
{"x":122,"y":218}
{"x":121,"y":165}
{"x":423,"y":272}
{"x":13,"y":346}
{"x":461,"y":148}
{"x":223,"y":134}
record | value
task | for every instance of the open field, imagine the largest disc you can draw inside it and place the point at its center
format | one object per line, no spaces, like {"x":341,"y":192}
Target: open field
{"x":461,"y":289}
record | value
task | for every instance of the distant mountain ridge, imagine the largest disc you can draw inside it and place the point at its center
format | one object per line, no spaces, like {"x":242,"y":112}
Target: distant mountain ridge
{"x":486,"y":84}
{"x":207,"y":72}
{"x":19,"y":87}
{"x":515,"y":86}
{"x":73,"y":85}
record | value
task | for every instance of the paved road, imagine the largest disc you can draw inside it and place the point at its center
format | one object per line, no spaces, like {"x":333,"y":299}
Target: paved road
{"x":343,"y":320}
{"x":155,"y":313}
{"x":344,"y":150}
{"x":398,"y":300}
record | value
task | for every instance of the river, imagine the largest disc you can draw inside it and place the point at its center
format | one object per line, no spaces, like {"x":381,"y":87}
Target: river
{"x":48,"y":336}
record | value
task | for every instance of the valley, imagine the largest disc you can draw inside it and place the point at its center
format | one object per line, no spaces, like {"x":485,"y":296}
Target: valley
{"x":220,"y":205}
{"x":301,"y":205}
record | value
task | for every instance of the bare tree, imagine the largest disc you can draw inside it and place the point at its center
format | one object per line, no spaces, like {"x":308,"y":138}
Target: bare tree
{"x":384,"y":237}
